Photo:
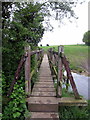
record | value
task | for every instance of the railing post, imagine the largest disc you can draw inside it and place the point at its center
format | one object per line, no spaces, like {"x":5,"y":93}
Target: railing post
{"x":27,"y":71}
{"x":60,"y":74}
{"x":67,"y":83}
{"x":51,"y":60}
{"x":38,"y":56}
{"x":42,"y":53}
{"x":51,"y":53}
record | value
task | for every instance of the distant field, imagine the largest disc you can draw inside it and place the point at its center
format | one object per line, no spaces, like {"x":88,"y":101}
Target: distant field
{"x":77,"y":56}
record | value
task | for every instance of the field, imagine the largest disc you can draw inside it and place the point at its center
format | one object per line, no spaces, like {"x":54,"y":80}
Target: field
{"x":77,"y":56}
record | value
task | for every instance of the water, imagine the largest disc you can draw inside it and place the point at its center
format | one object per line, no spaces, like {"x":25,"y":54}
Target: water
{"x":83,"y":85}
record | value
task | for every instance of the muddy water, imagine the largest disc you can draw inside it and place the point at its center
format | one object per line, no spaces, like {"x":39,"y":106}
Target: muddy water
{"x":83,"y":85}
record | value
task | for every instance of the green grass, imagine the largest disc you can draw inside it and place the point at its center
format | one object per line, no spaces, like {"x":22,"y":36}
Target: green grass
{"x":65,"y":93}
{"x":77,"y":56}
{"x":74,"y":112}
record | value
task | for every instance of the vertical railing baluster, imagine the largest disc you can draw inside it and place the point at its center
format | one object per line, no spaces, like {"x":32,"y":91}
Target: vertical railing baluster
{"x":67,"y":83}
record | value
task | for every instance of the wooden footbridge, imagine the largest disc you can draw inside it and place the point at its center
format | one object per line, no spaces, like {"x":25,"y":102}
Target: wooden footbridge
{"x":42,"y":102}
{"x":45,"y":98}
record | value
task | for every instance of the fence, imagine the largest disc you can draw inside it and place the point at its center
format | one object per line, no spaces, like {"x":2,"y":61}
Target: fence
{"x":57,"y":61}
{"x":26,"y":60}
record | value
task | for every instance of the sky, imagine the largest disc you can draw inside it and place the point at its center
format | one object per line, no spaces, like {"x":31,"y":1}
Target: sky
{"x":68,"y":33}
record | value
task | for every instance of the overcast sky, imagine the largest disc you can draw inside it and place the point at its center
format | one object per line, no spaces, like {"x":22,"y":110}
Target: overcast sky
{"x":70,"y":33}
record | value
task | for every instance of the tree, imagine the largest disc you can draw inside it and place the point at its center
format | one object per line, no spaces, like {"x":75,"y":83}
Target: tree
{"x":86,"y":38}
{"x":24,"y":27}
{"x":58,"y":10}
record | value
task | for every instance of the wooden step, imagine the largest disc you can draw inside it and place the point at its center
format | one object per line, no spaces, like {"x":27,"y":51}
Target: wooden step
{"x":45,"y":79}
{"x":43,"y":86}
{"x":71,"y":101}
{"x":42,"y":104}
{"x":43,"y":94}
{"x":43,"y":75}
{"x":44,"y":89}
{"x":44,"y":82}
{"x":44,"y":116}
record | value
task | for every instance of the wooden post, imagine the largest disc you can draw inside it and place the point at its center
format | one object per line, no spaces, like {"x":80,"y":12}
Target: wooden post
{"x":27,"y":71}
{"x":51,"y":54}
{"x":67,"y":83}
{"x":56,"y":59}
{"x":42,"y":54}
{"x":37,"y":55}
{"x":51,"y":59}
{"x":60,"y":74}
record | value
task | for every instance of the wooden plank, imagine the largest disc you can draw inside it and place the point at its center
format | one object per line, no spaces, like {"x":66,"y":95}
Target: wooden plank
{"x":27,"y":72}
{"x":44,"y":89}
{"x":43,"y":82}
{"x":44,"y":86}
{"x":71,"y":101}
{"x":43,"y":104}
{"x":43,"y":94}
{"x":44,"y":116}
{"x":60,"y":74}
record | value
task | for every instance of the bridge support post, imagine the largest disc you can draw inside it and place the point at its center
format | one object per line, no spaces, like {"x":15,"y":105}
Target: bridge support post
{"x":27,"y":71}
{"x":60,"y":74}
{"x":51,"y":59}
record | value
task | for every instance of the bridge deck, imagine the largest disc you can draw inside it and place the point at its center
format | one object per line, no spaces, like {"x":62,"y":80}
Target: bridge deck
{"x":42,"y":103}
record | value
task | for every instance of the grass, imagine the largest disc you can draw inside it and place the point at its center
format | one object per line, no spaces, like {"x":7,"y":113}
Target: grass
{"x":74,"y":112}
{"x":77,"y":56}
{"x":65,"y":93}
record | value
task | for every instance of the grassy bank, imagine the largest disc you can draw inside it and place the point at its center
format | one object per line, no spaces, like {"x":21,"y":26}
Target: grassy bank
{"x":77,"y":56}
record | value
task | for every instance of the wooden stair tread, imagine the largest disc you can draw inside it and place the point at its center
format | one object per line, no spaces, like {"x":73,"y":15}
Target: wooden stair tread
{"x":44,"y":89}
{"x":42,"y":100}
{"x":44,"y":86}
{"x":44,"y":82}
{"x":44,"y":115}
{"x":71,"y":101}
{"x":44,"y":94}
{"x":42,"y":104}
